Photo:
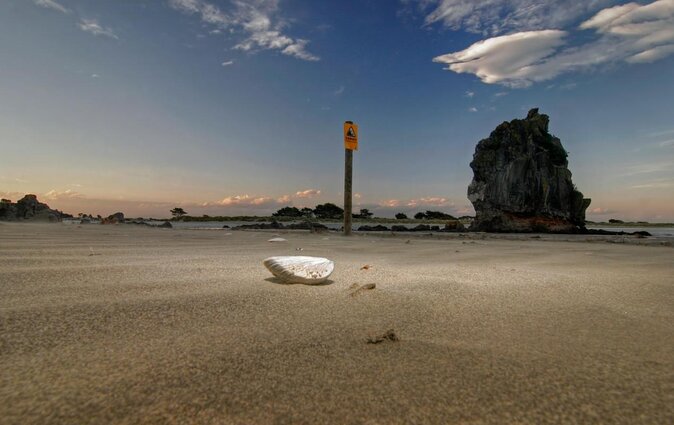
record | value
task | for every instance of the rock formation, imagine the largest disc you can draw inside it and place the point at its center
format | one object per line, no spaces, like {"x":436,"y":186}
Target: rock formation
{"x":28,"y":208}
{"x":522,"y":182}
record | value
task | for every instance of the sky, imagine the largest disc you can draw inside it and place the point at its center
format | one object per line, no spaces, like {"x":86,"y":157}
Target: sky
{"x":231,"y":107}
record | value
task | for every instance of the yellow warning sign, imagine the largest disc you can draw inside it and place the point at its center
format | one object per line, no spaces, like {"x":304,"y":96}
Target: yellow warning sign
{"x":350,"y":136}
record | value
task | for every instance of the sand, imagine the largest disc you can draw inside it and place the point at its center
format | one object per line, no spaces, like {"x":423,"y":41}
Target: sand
{"x":124,"y":324}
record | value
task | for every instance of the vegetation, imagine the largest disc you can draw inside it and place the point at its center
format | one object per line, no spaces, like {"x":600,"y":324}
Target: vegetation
{"x":401,"y":216}
{"x":178,"y":213}
{"x":364,"y":213}
{"x":328,"y":211}
{"x":433,"y":215}
{"x":288,"y":212}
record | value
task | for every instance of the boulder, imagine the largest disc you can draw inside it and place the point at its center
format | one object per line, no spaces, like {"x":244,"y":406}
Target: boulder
{"x":166,"y":225}
{"x":115,"y":218}
{"x":28,"y":208}
{"x":399,"y":228}
{"x":522,"y":182}
{"x":421,"y":228}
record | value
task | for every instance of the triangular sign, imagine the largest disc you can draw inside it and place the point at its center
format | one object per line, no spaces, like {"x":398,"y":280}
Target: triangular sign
{"x":350,"y":133}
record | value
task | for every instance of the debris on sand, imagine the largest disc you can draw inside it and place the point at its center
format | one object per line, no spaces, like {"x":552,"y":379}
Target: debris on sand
{"x":366,"y":267}
{"x":389,"y":335}
{"x":277,"y":240}
{"x":358,"y":289}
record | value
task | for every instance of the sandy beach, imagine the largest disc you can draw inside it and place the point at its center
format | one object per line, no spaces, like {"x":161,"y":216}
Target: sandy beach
{"x":124,"y":324}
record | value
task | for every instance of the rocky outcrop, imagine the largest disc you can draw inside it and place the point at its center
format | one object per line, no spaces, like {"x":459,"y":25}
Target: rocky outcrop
{"x":28,"y":208}
{"x":522,"y":182}
{"x":115,"y":218}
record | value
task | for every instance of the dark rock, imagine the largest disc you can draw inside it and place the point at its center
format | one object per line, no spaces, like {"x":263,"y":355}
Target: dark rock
{"x":274,"y":225}
{"x":28,"y":208}
{"x":435,"y":228}
{"x":522,"y":182}
{"x":225,"y":227}
{"x":421,"y":228}
{"x":454,"y":226}
{"x":377,"y":228}
{"x":166,"y":225}
{"x":399,"y":228}
{"x":115,"y":218}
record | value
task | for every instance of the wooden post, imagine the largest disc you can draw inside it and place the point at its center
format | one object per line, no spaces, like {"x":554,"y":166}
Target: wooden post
{"x":348,"y":171}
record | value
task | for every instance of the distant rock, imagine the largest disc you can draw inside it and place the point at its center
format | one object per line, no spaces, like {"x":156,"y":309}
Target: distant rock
{"x":166,"y":225}
{"x":522,"y":182}
{"x":377,"y":228}
{"x":399,"y":228}
{"x":421,"y":228}
{"x":115,"y":218}
{"x":28,"y":208}
{"x":454,"y":226}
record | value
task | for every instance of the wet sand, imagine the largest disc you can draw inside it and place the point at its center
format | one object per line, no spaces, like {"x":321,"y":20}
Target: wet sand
{"x":124,"y":324}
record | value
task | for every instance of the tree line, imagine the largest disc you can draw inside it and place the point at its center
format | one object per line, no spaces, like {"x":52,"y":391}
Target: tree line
{"x":330,"y":211}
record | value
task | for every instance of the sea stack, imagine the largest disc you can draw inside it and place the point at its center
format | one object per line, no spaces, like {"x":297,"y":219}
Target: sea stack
{"x":522,"y":182}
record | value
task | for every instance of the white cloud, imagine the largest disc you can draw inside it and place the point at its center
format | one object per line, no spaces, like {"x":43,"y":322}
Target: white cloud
{"x":629,"y":33}
{"x":472,"y":109}
{"x":501,"y":16}
{"x":256,"y":19}
{"x":339,"y":91}
{"x":469,"y":94}
{"x":309,"y":193}
{"x":227,"y":63}
{"x":51,"y":4}
{"x":55,"y":195}
{"x":243,"y":200}
{"x":92,"y":26}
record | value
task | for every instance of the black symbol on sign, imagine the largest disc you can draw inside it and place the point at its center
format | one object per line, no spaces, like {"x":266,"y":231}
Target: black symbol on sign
{"x":350,"y":133}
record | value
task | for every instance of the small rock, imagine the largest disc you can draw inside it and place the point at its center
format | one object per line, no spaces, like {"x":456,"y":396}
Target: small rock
{"x":389,"y":335}
{"x":277,"y":240}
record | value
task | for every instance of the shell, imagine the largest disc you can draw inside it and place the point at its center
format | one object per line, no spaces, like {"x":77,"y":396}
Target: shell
{"x":277,"y":240}
{"x":300,"y":269}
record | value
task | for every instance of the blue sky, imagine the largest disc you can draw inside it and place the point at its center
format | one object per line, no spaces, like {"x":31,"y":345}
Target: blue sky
{"x":233,"y":107}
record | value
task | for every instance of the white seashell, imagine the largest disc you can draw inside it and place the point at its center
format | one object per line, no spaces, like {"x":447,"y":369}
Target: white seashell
{"x":299,"y":269}
{"x":277,"y":240}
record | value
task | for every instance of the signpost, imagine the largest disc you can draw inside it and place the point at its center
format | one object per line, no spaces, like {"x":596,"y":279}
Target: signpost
{"x":350,"y":145}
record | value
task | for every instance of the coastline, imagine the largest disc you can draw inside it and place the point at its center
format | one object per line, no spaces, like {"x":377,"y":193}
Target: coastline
{"x":129,"y":324}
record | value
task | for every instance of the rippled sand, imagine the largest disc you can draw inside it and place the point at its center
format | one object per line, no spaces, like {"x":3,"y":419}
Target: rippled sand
{"x":124,"y":324}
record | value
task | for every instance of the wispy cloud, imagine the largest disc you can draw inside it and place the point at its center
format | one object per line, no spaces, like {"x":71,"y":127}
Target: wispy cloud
{"x":502,"y":16}
{"x":655,"y":184}
{"x":92,"y":26}
{"x":227,"y":63}
{"x":55,"y":195}
{"x":52,"y":4}
{"x":469,"y":94}
{"x":472,"y":109}
{"x":631,"y":33}
{"x":339,"y":91}
{"x":258,"y":20}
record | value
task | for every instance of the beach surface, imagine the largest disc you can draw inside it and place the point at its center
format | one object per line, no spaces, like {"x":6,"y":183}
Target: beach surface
{"x":126,"y":324}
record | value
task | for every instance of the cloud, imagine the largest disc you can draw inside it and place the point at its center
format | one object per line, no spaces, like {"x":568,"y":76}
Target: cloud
{"x":500,"y":16}
{"x":632,"y":33}
{"x":339,"y":91}
{"x":309,"y":193}
{"x":243,"y":200}
{"x":51,"y":4}
{"x":430,"y":202}
{"x":469,"y":94}
{"x":472,"y":109}
{"x":56,"y":195}
{"x":285,"y":199}
{"x":666,"y":143}
{"x":227,"y":63}
{"x":92,"y":26}
{"x":601,"y":211}
{"x":256,"y":19}
{"x":390,"y":203}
